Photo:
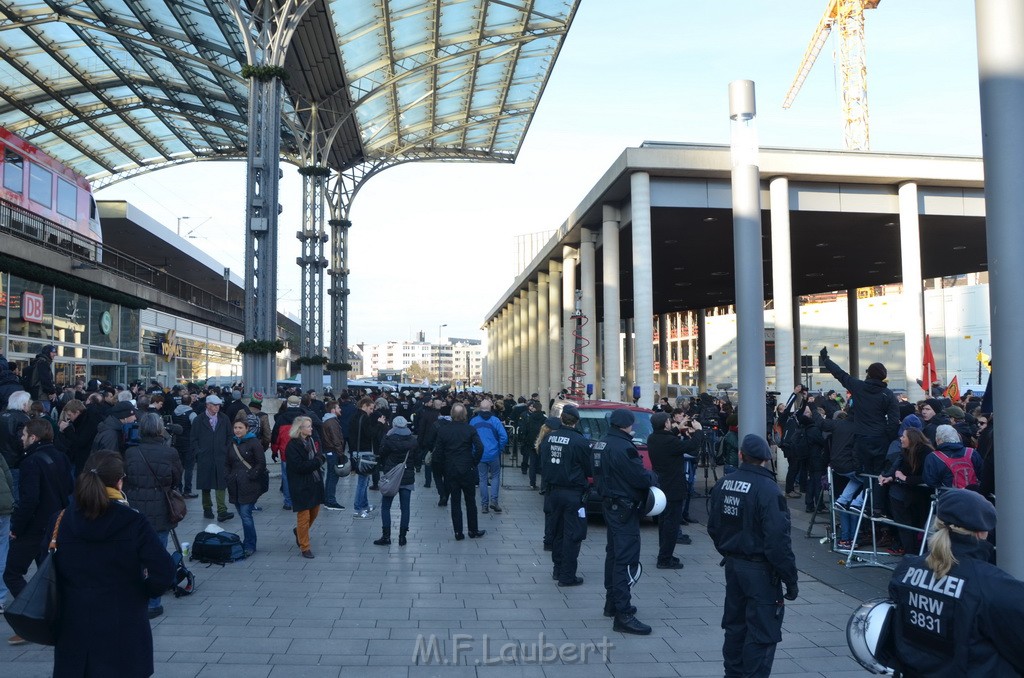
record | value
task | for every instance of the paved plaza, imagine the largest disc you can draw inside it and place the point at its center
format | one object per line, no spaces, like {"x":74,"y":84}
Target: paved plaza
{"x":487,"y":605}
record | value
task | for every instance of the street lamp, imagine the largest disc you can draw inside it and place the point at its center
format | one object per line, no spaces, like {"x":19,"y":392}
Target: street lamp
{"x":440,"y":376}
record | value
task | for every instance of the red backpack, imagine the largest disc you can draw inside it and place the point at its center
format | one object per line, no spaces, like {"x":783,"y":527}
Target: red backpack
{"x":962,"y":468}
{"x":284,"y":433}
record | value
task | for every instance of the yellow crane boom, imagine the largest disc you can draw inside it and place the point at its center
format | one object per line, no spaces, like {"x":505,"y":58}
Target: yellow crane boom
{"x":848,"y":16}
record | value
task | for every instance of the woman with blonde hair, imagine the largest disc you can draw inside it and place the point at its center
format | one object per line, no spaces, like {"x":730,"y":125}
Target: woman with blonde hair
{"x":956,"y":613}
{"x":305,"y":480}
{"x":109,"y":563}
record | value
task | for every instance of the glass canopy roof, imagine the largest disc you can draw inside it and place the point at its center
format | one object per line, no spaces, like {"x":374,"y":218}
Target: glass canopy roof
{"x":117,"y":87}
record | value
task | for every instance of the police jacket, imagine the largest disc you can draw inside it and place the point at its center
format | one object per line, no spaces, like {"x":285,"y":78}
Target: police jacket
{"x":618,"y":469}
{"x":567,"y":459}
{"x":877,"y":412}
{"x":665,"y":450}
{"x":968,"y":623}
{"x":749,"y":519}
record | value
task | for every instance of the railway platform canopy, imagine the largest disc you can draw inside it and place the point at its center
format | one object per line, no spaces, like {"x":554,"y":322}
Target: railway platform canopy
{"x":117,"y":87}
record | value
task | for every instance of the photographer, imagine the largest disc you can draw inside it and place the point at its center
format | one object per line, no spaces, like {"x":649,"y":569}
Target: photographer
{"x":670,"y":456}
{"x":692,"y":432}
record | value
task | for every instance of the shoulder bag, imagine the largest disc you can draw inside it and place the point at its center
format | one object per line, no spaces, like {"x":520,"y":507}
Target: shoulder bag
{"x":391,"y":481}
{"x":176,"y":508}
{"x":35,"y":613}
{"x":263,"y":477}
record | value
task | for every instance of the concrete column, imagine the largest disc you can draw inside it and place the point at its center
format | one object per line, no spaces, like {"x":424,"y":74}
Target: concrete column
{"x":554,"y":331}
{"x":628,"y":361}
{"x":570,"y":257}
{"x":524,"y":344}
{"x":612,"y":375}
{"x":702,"y":350}
{"x":913,"y":292}
{"x":504,"y":351}
{"x":543,"y":354}
{"x":747,"y":255}
{"x":782,"y":285}
{"x":1000,"y":23}
{"x":516,"y":376}
{"x":664,"y":356}
{"x":643,"y":292}
{"x":798,"y":376}
{"x":588,"y":285}
{"x":853,"y":332}
{"x":533,"y":353}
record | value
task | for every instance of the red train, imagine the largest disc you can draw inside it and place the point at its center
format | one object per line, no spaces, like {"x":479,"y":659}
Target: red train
{"x":38,"y":193}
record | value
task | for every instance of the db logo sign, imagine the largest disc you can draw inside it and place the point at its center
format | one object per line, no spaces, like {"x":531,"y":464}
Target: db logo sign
{"x":32,"y":307}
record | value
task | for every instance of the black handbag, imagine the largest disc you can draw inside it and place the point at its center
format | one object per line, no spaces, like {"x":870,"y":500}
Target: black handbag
{"x":35,"y":613}
{"x":176,"y":508}
{"x":262,"y":476}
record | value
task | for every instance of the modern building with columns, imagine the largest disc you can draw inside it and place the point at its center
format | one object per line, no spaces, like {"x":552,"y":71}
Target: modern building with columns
{"x":654,"y":238}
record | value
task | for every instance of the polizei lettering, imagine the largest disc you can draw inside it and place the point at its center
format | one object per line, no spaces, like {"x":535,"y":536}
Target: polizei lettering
{"x":925,"y":579}
{"x":735,"y":486}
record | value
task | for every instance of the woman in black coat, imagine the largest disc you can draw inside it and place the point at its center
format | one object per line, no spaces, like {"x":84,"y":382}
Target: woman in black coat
{"x":909,"y":498}
{"x":151,"y":469}
{"x":246,"y":466}
{"x":399,"y":447}
{"x":109,"y":563}
{"x":305,"y":480}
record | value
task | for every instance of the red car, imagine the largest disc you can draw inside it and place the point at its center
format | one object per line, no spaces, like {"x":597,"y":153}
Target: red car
{"x":594,"y":425}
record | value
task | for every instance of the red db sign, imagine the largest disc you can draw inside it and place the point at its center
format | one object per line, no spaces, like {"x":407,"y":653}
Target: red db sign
{"x":31,"y":307}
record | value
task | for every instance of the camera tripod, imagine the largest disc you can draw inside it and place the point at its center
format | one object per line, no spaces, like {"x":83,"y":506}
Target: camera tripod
{"x":706,"y":460}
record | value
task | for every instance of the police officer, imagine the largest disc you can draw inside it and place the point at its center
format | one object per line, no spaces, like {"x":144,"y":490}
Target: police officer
{"x":624,"y":484}
{"x":567,"y":467}
{"x":957,"y":614}
{"x":749,"y":523}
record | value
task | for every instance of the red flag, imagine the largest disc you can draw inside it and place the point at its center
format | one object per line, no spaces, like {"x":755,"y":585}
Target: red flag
{"x":931,"y":373}
{"x":953,"y":390}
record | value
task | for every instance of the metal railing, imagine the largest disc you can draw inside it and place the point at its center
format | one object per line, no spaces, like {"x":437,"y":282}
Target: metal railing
{"x":20,"y":223}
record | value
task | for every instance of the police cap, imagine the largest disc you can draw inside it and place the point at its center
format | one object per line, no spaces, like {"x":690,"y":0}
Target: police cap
{"x":755,"y":447}
{"x":966,"y":509}
{"x":572,"y":411}
{"x":622,"y":418}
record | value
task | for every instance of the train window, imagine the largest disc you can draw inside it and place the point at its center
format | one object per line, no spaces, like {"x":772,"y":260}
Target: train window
{"x":67,"y":198}
{"x":40,"y":185}
{"x":14,"y":172}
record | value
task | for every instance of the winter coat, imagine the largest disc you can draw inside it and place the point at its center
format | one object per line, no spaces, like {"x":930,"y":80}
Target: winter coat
{"x":937,"y":474}
{"x":305,"y":477}
{"x":531,"y":429}
{"x":9,"y":384}
{"x":109,"y":435}
{"x":493,"y":434}
{"x":11,"y":424}
{"x":876,"y":407}
{"x":183,"y":417}
{"x":909,"y":490}
{"x":104,"y":596}
{"x":41,"y":378}
{"x":211,"y":449}
{"x":841,"y":449}
{"x":73,"y":442}
{"x":243,"y":483}
{"x":147,"y":489}
{"x":458,"y":449}
{"x":817,"y":460}
{"x":6,"y":489}
{"x":393,"y":452}
{"x":333,"y":438}
{"x":43,"y":489}
{"x":665,"y":450}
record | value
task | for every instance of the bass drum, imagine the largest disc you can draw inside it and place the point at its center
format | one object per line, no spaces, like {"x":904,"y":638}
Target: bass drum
{"x":868,"y":633}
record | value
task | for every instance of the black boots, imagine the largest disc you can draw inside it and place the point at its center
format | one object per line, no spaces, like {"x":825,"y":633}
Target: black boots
{"x":627,"y":623}
{"x":401,"y":538}
{"x":385,"y":537}
{"x":609,"y":609}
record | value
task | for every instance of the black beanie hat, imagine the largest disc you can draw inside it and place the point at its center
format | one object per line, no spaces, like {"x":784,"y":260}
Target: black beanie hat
{"x":877,"y":371}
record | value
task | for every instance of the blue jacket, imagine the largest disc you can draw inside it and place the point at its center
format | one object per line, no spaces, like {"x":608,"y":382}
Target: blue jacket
{"x":937,"y":474}
{"x":492,"y":434}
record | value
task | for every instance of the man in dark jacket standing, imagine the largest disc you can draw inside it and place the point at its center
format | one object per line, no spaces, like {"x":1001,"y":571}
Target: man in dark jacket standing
{"x":43,"y":490}
{"x":877,"y":412}
{"x":458,"y":449}
{"x":9,"y":384}
{"x":210,"y":435}
{"x":40,"y":377}
{"x":668,"y":454}
{"x":568,"y":464}
{"x":110,"y":432}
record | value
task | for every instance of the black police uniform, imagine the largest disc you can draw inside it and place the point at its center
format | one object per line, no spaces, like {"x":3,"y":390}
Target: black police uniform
{"x":968,"y":623}
{"x":623,"y":483}
{"x":567,"y":467}
{"x":749,"y":523}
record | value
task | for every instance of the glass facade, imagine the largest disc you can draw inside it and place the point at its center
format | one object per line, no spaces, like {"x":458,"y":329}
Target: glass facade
{"x":98,"y":339}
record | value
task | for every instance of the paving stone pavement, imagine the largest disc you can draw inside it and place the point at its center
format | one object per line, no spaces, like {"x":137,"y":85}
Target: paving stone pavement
{"x":438,"y":607}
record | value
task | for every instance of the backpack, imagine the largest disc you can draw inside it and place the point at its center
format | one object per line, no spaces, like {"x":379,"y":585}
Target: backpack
{"x":962,"y":468}
{"x":720,"y":452}
{"x":217,"y":549}
{"x":791,"y":435}
{"x":28,"y":376}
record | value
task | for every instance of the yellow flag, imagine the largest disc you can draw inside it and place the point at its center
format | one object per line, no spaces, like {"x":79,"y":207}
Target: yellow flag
{"x":984,"y":359}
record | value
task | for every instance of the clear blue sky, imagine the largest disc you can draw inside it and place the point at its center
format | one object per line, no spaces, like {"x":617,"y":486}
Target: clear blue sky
{"x":432,"y":243}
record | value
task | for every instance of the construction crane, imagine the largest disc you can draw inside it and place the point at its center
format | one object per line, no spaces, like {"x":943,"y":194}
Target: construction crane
{"x":848,"y":16}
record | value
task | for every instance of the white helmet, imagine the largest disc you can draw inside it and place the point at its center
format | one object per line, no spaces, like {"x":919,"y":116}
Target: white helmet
{"x":869,"y":632}
{"x":656,"y":502}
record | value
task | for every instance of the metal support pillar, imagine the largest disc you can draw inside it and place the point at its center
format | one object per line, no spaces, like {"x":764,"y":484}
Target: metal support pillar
{"x":569,"y":259}
{"x":554,"y":379}
{"x":1000,"y":23}
{"x":588,"y":285}
{"x":266,"y":31}
{"x":853,"y":330}
{"x":543,"y":355}
{"x":782,"y":284}
{"x":533,"y":349}
{"x":746,"y":218}
{"x":913,"y":291}
{"x":643,"y":292}
{"x":612,"y":375}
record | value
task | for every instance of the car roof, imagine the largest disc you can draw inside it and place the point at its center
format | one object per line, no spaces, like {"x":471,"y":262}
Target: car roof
{"x":607,"y":405}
